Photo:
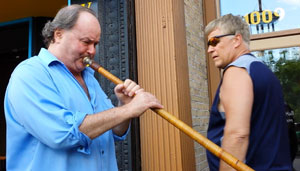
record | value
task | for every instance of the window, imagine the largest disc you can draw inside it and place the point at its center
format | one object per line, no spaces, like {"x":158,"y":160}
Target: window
{"x":265,"y":15}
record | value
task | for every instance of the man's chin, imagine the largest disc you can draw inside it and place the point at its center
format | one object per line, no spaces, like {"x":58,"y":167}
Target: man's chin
{"x":217,"y":65}
{"x":83,"y":67}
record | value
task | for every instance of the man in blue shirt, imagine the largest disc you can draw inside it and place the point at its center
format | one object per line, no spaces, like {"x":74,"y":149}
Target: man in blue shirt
{"x":247,"y":116}
{"x":58,"y":117}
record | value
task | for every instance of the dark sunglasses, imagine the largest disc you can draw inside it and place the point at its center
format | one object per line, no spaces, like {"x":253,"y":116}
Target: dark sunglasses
{"x":213,"y":41}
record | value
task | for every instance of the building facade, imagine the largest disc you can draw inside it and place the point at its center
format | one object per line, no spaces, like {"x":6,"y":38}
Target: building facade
{"x":162,"y":46}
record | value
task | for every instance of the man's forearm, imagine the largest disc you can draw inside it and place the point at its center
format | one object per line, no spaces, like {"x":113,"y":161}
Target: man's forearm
{"x":236,"y":145}
{"x":121,"y":128}
{"x":96,"y":124}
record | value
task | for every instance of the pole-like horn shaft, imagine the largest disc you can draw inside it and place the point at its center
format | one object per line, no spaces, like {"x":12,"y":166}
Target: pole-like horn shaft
{"x":206,"y":143}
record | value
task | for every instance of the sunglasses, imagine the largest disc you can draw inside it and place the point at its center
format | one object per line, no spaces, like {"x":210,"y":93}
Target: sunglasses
{"x":213,"y":41}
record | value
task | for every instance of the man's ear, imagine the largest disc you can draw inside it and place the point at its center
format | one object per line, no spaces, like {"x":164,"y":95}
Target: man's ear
{"x":238,"y":40}
{"x":58,"y":35}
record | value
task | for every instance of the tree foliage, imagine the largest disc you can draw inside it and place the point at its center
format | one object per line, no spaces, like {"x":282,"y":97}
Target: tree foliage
{"x":288,"y":73}
{"x":287,"y":70}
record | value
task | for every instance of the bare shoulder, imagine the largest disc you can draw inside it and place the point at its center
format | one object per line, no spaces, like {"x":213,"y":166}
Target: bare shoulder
{"x":236,"y":95}
{"x":236,"y":76}
{"x":236,"y":83}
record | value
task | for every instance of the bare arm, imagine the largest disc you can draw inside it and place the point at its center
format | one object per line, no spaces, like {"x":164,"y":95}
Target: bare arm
{"x":236,"y":96}
{"x":134,"y":101}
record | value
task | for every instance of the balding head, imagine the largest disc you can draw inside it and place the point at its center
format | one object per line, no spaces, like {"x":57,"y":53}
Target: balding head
{"x":65,"y":19}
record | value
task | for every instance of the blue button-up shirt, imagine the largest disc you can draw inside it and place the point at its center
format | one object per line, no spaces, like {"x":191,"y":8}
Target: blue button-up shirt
{"x":44,"y":106}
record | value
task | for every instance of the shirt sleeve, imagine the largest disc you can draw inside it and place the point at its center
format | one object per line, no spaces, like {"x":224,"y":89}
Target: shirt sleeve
{"x":37,"y":106}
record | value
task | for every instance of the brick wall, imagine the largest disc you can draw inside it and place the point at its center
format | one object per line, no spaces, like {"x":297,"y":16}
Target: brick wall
{"x":197,"y":75}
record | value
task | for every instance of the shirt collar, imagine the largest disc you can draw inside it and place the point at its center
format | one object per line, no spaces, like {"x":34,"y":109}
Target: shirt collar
{"x":49,"y":58}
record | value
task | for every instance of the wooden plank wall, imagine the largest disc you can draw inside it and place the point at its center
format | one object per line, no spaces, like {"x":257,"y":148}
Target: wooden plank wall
{"x":211,"y":12}
{"x":163,"y":71}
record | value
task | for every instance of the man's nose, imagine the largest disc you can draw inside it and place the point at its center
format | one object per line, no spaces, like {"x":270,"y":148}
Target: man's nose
{"x":210,"y":49}
{"x":91,"y":49}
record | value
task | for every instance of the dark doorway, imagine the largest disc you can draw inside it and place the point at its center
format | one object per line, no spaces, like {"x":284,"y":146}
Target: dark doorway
{"x":13,"y":50}
{"x":20,"y":39}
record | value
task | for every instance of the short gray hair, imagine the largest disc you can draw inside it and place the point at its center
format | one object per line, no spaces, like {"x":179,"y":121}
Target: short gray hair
{"x":230,"y":24}
{"x":65,"y":19}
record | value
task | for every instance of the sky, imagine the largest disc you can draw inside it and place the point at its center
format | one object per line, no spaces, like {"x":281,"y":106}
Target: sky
{"x":289,"y":10}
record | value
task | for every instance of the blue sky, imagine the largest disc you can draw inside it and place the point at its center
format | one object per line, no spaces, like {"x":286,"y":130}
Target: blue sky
{"x":288,"y":9}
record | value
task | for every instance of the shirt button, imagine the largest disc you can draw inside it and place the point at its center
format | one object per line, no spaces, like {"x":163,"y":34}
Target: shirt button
{"x":102,"y":152}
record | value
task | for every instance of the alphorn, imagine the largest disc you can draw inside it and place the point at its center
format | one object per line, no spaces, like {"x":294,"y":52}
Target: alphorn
{"x":206,"y":143}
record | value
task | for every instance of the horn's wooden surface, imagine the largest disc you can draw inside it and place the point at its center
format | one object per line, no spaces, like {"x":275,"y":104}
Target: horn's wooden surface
{"x":206,"y":143}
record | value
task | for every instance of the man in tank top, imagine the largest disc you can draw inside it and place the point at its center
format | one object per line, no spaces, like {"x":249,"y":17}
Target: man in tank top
{"x":247,"y":116}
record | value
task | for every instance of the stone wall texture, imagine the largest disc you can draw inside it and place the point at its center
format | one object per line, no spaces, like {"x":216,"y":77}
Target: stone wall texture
{"x":197,"y":75}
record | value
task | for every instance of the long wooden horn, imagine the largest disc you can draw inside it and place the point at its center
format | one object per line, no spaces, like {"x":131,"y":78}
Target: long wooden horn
{"x":206,"y":143}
